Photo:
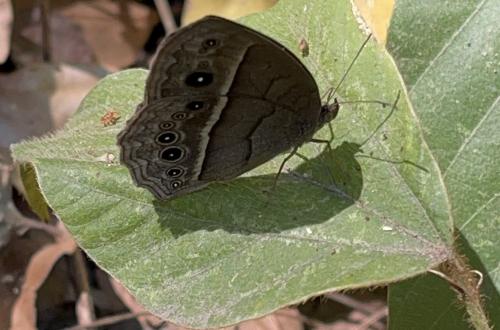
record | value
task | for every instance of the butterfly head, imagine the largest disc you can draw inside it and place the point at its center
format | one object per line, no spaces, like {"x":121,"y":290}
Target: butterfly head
{"x":328,"y":112}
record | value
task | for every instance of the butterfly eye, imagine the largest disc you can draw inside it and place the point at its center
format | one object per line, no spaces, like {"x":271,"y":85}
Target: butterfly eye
{"x":175,"y":172}
{"x":195,"y":105}
{"x":199,"y":79}
{"x":167,"y":137}
{"x":172,"y":154}
{"x":167,"y":125}
{"x":179,"y":116}
{"x":210,"y":43}
{"x":176,"y":184}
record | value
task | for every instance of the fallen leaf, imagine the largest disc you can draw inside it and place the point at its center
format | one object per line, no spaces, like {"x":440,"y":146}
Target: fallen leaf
{"x":39,"y":267}
{"x":196,"y":9}
{"x":39,"y":99}
{"x":115,"y":30}
{"x":6,"y":18}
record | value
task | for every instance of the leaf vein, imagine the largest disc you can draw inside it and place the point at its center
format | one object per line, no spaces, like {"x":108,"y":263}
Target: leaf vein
{"x":470,"y":137}
{"x":448,"y":44}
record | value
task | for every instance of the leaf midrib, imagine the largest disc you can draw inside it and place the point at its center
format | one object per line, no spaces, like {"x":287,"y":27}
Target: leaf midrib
{"x":410,"y":93}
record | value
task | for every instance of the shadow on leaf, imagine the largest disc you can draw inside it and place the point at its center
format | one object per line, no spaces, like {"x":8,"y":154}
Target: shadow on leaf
{"x":313,"y":193}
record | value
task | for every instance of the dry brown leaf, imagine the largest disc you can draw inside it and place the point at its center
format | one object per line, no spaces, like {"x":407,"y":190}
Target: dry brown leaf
{"x":6,"y":18}
{"x":14,"y":258}
{"x":288,"y":318}
{"x":115,"y":30}
{"x":5,"y":200}
{"x":111,"y":33}
{"x":135,"y":307}
{"x":196,"y":9}
{"x":40,"y":99}
{"x":84,"y":310}
{"x":377,"y":15}
{"x":39,"y":267}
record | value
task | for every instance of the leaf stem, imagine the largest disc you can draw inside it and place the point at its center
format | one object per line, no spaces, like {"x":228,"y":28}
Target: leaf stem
{"x":467,"y":284}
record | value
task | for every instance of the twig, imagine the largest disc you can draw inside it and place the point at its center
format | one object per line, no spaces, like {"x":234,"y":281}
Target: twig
{"x":373,"y":319}
{"x":16,"y":219}
{"x":44,"y":17}
{"x":166,"y":16}
{"x":107,"y":321}
{"x":85,"y":305}
{"x":349,"y":302}
{"x":354,"y":304}
{"x":5,"y":181}
{"x":128,"y":300}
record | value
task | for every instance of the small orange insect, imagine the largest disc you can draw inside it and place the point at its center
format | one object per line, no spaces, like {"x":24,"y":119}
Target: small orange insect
{"x":110,"y":118}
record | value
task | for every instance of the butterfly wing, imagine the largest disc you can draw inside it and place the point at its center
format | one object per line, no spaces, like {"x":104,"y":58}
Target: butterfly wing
{"x":220,"y":100}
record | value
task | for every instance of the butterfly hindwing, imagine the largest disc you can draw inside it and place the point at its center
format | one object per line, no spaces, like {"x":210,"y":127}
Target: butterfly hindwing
{"x":220,"y":100}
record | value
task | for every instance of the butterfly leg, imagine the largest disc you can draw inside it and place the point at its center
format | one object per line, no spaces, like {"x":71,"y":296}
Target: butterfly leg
{"x":382,"y":103}
{"x":287,"y":158}
{"x":327,"y":142}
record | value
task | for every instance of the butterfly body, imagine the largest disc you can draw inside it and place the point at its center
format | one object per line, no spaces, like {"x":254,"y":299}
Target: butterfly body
{"x":220,"y":100}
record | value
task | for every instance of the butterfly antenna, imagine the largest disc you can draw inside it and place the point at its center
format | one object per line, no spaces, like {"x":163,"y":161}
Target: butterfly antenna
{"x":394,"y":107}
{"x":333,"y":91}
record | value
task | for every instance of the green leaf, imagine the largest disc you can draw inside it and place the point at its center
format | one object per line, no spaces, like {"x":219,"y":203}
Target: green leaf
{"x":425,"y":302}
{"x":371,"y":211}
{"x":449,"y":55}
{"x":33,"y":196}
